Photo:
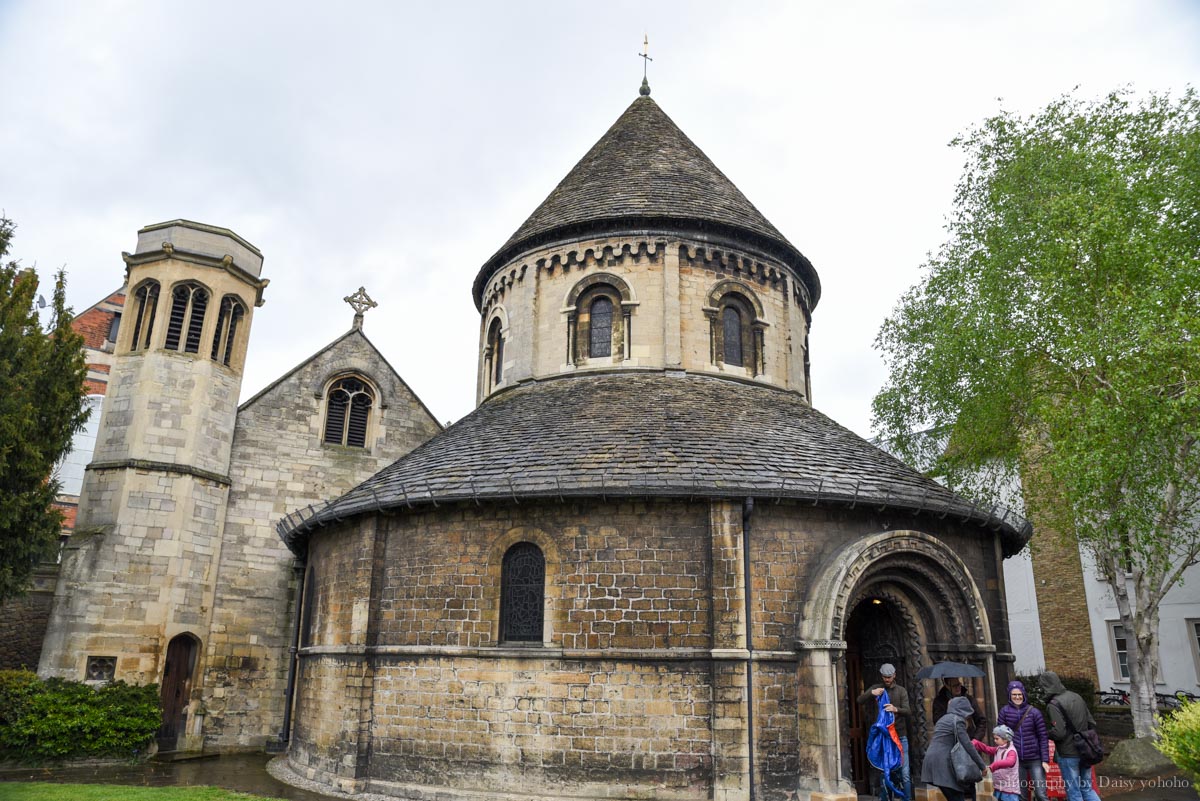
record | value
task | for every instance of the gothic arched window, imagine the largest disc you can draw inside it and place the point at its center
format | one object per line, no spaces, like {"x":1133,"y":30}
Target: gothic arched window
{"x":600,"y":319}
{"x":496,"y":352}
{"x":348,"y":412}
{"x":145,"y":299}
{"x":229,"y":317}
{"x":522,"y":593}
{"x":188,"y":304}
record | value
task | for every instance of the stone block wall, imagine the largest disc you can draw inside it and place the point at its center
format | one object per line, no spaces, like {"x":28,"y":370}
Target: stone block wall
{"x":669,"y":280}
{"x":280,"y":464}
{"x":23,"y":622}
{"x":641,"y":679}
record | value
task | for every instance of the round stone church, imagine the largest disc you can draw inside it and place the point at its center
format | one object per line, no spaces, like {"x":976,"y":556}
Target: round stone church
{"x":645,"y":566}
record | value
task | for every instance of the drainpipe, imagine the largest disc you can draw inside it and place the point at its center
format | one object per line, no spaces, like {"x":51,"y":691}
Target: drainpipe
{"x":289,"y":694}
{"x":747,"y":513}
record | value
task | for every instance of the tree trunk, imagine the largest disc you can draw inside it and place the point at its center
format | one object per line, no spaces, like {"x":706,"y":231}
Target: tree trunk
{"x":1143,"y":657}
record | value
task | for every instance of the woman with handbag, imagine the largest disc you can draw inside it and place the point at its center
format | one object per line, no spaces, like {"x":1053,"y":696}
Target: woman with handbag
{"x":951,"y":762}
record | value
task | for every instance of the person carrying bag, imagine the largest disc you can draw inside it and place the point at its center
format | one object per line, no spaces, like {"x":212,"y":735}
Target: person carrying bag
{"x":939,"y":767}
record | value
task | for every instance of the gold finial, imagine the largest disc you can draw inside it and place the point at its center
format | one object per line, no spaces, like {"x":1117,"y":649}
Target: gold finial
{"x":360,"y":301}
{"x":645,"y":54}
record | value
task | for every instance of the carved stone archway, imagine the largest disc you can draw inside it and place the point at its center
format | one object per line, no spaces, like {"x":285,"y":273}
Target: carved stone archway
{"x":932,"y":591}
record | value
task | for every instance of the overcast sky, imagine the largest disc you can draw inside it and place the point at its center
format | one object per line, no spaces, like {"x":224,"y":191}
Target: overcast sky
{"x":397,"y":146}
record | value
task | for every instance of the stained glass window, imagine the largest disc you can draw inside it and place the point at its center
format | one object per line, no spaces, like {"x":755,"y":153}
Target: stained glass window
{"x":731,"y":321}
{"x":523,"y":593}
{"x":600,"y":328}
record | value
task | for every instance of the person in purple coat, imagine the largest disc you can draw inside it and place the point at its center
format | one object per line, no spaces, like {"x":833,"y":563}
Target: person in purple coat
{"x":1029,"y":736}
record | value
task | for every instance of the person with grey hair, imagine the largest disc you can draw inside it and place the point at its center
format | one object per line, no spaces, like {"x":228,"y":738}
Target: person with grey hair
{"x":898,"y":706}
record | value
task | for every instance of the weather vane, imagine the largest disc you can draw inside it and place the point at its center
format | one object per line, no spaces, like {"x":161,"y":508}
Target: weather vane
{"x":360,"y":301}
{"x":645,"y":54}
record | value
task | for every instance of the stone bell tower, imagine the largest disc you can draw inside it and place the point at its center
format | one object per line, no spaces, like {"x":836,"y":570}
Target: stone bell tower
{"x":133,"y":600}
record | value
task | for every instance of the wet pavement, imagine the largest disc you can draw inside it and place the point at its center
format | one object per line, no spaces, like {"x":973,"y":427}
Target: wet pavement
{"x":246,"y":773}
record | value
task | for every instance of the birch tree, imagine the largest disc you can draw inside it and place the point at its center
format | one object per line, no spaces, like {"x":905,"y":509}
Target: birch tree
{"x":1056,"y":335}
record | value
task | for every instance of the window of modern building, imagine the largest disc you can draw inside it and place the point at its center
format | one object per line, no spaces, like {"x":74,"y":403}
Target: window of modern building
{"x":523,"y":593}
{"x":188,"y":304}
{"x":1194,"y":635}
{"x":1120,"y":650}
{"x":600,"y":320}
{"x":145,"y":301}
{"x":229,"y":317}
{"x":348,"y":412}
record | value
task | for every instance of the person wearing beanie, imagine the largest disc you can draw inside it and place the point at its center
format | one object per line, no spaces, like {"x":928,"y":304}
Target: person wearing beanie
{"x":1029,"y":738}
{"x":1004,"y":763}
{"x":1061,"y":705}
{"x":898,"y":707}
{"x":950,"y":729}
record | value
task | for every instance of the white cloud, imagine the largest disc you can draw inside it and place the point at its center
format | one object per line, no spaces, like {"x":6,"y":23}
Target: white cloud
{"x":397,"y":146}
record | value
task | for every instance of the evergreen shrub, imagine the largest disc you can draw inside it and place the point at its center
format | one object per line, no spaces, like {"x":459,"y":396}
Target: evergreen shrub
{"x":54,"y":720}
{"x":1179,"y":738}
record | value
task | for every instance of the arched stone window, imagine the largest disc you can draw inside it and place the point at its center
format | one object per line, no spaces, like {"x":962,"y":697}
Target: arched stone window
{"x":348,"y":412}
{"x":599,"y":313}
{"x":522,"y":594}
{"x":494,"y":357}
{"x":229,"y":318}
{"x":188,"y":304}
{"x":145,"y":301}
{"x":736,"y":328}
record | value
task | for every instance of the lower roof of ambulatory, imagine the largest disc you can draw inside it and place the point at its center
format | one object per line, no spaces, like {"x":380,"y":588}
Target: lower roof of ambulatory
{"x":650,"y":435}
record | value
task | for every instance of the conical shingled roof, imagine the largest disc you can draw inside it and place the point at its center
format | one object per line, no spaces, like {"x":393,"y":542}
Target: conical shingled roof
{"x":646,"y":171}
{"x":649,"y":435}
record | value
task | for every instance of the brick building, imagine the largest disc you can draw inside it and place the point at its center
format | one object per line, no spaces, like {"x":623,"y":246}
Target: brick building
{"x":644,"y":566}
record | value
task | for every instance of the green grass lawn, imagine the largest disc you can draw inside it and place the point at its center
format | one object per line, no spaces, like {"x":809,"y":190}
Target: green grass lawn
{"x":45,"y":791}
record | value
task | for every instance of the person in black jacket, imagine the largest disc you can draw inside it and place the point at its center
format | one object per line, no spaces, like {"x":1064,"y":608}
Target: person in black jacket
{"x":1063,"y":705}
{"x":898,"y":707}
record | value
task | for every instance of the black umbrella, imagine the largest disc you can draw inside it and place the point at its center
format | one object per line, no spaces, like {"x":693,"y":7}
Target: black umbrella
{"x":945,"y":670}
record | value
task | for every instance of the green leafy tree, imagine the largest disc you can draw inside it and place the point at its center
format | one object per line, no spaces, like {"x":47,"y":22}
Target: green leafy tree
{"x":41,"y":407}
{"x":1056,"y":336}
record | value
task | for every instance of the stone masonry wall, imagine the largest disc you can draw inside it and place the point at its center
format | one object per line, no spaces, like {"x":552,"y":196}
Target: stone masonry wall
{"x":644,"y":635}
{"x":280,"y":464}
{"x":669,"y":280}
{"x":23,"y":621}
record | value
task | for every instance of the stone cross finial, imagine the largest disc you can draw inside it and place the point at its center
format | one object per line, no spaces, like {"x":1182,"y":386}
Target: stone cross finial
{"x":360,"y":301}
{"x":645,"y":54}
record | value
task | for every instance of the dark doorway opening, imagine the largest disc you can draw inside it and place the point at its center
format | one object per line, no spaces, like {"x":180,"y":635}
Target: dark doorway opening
{"x":176,"y":689}
{"x":874,"y":635}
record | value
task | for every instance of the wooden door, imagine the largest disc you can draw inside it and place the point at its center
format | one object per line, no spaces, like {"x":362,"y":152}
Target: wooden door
{"x":176,"y":689}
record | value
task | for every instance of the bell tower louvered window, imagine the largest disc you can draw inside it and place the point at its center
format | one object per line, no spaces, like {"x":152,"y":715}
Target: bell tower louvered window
{"x":145,"y":299}
{"x":348,"y":413}
{"x":229,"y":317}
{"x":523,"y":593}
{"x":188,"y":304}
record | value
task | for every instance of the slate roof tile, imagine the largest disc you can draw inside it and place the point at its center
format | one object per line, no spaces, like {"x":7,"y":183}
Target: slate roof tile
{"x":649,"y":434}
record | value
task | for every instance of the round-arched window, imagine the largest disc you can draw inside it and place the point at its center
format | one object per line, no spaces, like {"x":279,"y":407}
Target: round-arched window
{"x":348,"y":412}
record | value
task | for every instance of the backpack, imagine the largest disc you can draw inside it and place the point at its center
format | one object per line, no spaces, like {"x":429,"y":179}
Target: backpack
{"x":1087,"y":743}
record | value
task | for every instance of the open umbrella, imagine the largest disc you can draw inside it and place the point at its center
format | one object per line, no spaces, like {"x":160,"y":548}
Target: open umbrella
{"x":945,"y":670}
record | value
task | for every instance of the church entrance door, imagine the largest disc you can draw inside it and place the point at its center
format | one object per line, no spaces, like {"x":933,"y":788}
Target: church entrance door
{"x":176,"y":689}
{"x":874,"y":635}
